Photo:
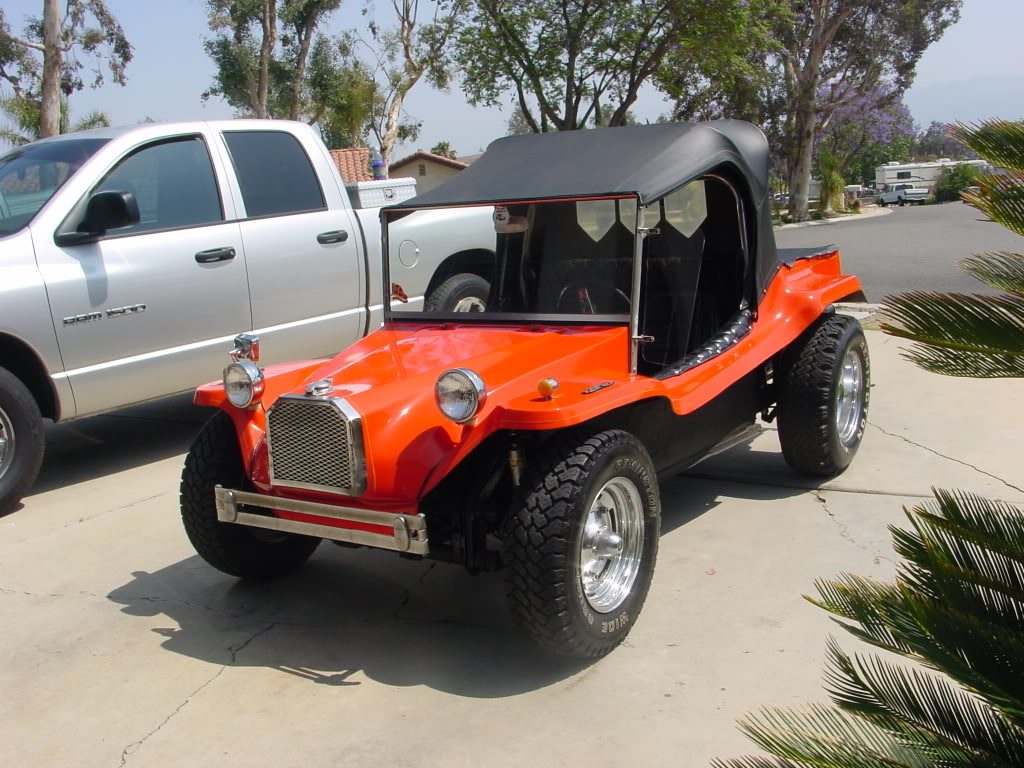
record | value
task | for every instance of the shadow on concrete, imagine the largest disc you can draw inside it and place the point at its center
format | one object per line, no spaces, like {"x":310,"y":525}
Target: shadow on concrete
{"x":353,"y":614}
{"x":85,"y":449}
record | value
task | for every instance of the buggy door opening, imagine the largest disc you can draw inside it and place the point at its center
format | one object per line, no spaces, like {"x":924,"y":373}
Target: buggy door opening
{"x":695,"y":272}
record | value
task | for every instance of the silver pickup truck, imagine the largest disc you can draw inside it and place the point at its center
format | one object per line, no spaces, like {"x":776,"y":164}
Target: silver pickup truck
{"x":131,"y":257}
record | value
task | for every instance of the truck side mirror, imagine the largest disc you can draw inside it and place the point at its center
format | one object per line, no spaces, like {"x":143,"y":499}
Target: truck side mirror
{"x":104,"y":211}
{"x":109,"y":210}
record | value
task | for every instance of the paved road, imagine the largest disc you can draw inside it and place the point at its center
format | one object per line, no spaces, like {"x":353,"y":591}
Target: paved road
{"x":120,"y":647}
{"x":913,"y":248}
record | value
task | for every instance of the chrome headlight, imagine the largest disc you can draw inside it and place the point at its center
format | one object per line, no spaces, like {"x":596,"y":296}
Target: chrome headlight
{"x":460,"y":393}
{"x":243,"y":383}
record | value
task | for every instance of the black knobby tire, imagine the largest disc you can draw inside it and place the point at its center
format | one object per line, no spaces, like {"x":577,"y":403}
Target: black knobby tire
{"x":23,"y":455}
{"x":808,"y":381}
{"x":446,"y":297}
{"x":544,"y":533}
{"x":249,"y":553}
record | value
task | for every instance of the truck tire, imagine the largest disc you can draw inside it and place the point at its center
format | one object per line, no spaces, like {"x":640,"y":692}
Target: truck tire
{"x":21,"y":441}
{"x":824,"y":385}
{"x":464,"y":292}
{"x":249,"y":553}
{"x":581,"y":544}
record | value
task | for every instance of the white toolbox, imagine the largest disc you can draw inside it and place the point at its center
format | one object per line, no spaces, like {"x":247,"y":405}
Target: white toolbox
{"x":375,"y":194}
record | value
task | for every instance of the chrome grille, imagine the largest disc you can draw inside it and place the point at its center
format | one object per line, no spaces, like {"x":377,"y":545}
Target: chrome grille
{"x":315,"y":443}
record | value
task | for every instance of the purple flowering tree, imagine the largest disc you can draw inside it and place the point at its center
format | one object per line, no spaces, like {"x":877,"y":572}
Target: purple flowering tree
{"x":567,"y":64}
{"x":866,"y":128}
{"x":834,"y":52}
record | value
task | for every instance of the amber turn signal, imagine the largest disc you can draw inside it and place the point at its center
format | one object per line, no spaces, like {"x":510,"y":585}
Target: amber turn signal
{"x":547,"y":388}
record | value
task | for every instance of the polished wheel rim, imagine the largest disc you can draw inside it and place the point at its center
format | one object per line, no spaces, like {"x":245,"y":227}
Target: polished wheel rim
{"x":850,"y":397}
{"x":470,"y":304}
{"x":610,"y":551}
{"x":6,"y":443}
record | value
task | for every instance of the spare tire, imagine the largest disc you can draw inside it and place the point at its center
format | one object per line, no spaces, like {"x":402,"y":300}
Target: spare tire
{"x":464,"y":292}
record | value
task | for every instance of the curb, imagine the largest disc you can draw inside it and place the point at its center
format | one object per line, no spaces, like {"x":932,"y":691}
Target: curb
{"x":836,"y":220}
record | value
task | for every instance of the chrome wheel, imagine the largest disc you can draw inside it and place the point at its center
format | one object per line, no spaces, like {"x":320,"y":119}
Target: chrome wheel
{"x":611,"y":546}
{"x":6,"y":443}
{"x":850,"y":397}
{"x":470,"y":304}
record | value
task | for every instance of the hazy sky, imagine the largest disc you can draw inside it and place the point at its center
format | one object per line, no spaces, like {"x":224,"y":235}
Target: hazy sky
{"x":975,"y":71}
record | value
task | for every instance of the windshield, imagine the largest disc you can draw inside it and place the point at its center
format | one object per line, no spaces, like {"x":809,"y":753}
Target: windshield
{"x":30,"y":175}
{"x":535,"y":261}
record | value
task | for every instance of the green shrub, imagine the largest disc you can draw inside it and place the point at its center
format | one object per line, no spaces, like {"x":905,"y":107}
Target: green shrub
{"x":952,"y":181}
{"x":817,"y":215}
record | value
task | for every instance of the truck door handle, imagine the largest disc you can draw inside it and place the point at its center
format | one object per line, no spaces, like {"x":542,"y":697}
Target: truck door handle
{"x":336,"y":236}
{"x":215,"y":254}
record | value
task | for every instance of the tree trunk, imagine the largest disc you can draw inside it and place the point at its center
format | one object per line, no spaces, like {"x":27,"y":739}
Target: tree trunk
{"x":391,"y":127}
{"x":49,"y":116}
{"x":804,"y":126}
{"x":266,"y":51}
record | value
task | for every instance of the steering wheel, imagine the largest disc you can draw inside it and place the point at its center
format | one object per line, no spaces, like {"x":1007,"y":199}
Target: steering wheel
{"x":575,"y":298}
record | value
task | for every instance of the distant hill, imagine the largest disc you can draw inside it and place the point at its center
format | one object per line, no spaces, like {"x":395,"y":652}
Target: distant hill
{"x":967,"y":100}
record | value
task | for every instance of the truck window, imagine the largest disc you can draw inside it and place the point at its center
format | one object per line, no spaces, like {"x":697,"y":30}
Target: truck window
{"x":274,"y":173}
{"x":173,"y":183}
{"x":29,"y":177}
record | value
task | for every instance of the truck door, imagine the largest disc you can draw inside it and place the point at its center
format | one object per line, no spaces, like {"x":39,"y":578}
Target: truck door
{"x":300,"y":245}
{"x":149,"y":309}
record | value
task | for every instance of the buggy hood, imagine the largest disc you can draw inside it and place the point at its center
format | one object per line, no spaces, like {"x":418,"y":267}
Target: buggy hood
{"x":646,"y":161}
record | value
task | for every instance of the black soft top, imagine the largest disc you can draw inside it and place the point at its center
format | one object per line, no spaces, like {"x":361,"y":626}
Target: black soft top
{"x":648,"y":161}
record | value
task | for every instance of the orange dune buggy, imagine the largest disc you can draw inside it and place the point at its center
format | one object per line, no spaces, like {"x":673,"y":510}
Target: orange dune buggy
{"x":638,"y":318}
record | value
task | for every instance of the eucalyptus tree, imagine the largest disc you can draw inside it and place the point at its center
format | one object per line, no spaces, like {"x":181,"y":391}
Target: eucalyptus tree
{"x":45,"y":65}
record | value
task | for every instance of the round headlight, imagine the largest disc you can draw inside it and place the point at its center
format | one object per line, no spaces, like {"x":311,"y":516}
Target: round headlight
{"x":460,"y":393}
{"x":243,"y":383}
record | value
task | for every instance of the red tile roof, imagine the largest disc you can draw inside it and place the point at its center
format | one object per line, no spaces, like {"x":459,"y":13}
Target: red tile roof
{"x":421,"y":155}
{"x":353,"y":164}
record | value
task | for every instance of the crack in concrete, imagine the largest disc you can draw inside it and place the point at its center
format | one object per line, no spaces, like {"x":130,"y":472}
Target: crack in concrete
{"x":234,"y":650}
{"x":844,"y":529}
{"x":135,"y":745}
{"x":950,"y":458}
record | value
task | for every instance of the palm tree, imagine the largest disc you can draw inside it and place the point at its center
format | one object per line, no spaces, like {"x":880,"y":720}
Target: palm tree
{"x":24,"y":120}
{"x":956,"y":608}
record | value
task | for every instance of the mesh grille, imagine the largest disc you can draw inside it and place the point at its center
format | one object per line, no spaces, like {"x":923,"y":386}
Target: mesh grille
{"x":309,"y":444}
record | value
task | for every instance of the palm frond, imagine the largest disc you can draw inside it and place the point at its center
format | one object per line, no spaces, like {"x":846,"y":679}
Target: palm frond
{"x":956,"y":720}
{"x":94,"y":119}
{"x":1001,"y":199}
{"x":755,"y":762}
{"x":823,"y":736}
{"x":1002,"y":270}
{"x":866,"y":603}
{"x":959,"y":334}
{"x":998,"y":141}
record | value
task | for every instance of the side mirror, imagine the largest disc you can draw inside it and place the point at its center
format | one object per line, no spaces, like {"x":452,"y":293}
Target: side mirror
{"x":104,"y":211}
{"x":109,"y":210}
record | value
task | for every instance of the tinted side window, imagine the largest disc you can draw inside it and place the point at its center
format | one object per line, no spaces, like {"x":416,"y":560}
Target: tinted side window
{"x":173,"y":182}
{"x":274,"y":173}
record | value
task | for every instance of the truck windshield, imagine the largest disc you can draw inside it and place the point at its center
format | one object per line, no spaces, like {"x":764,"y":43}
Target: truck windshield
{"x":568,"y":259}
{"x":30,"y":175}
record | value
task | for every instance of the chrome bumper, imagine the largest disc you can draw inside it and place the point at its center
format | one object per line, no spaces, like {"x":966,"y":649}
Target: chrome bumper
{"x":410,"y":531}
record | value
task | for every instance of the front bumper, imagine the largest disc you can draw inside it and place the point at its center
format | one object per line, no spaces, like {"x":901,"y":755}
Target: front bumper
{"x":409,"y":531}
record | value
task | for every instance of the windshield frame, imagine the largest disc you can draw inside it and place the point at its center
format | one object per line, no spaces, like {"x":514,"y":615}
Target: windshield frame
{"x":95,"y":143}
{"x":391,"y":215}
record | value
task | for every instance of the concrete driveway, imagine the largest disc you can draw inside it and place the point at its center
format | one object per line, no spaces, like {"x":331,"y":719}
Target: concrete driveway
{"x":121,"y":648}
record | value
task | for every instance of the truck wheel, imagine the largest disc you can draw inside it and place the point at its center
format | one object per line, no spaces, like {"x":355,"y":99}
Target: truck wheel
{"x":249,"y":553}
{"x":21,"y":441}
{"x":899,"y":201}
{"x":824,"y":387}
{"x":882,"y":203}
{"x":580,"y":546}
{"x":464,"y":292}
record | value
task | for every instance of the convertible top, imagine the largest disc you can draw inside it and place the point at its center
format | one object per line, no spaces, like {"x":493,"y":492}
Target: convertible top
{"x":646,"y":161}
{"x":649,"y":161}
